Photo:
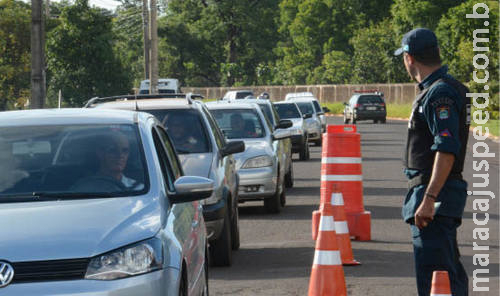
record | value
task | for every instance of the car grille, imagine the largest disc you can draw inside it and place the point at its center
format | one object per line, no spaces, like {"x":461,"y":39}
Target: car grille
{"x":53,"y":270}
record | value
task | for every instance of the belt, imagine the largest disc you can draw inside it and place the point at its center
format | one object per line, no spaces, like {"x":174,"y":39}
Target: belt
{"x":424,"y":179}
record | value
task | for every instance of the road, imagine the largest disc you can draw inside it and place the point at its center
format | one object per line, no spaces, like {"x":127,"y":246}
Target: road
{"x":277,"y":250}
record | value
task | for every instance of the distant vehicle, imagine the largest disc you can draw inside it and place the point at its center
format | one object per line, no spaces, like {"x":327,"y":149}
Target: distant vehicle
{"x":203,"y":151}
{"x":237,"y":94}
{"x":96,"y":203}
{"x":283,"y":146}
{"x":264,"y":96}
{"x":313,"y":122}
{"x":289,"y":110}
{"x":261,"y":175}
{"x":317,"y":107}
{"x":365,"y":105}
{"x":165,"y":86}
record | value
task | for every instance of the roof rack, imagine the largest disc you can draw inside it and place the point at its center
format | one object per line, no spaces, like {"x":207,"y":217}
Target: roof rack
{"x":371,"y":91}
{"x":190,"y":97}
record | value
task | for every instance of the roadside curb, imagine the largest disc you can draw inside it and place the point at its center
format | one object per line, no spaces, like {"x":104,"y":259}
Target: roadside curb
{"x":491,"y":137}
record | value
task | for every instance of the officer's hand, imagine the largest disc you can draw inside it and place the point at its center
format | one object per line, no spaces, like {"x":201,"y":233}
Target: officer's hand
{"x":424,"y":213}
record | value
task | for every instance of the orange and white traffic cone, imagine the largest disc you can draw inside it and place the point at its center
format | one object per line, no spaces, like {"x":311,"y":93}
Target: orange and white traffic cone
{"x":342,"y":230}
{"x":327,"y":275}
{"x":440,"y":283}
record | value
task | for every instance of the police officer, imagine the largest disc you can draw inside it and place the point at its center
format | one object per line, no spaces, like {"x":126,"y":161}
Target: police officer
{"x":435,"y":151}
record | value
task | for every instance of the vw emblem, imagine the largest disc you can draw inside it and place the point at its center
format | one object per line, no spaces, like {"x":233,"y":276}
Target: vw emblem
{"x":6,"y":274}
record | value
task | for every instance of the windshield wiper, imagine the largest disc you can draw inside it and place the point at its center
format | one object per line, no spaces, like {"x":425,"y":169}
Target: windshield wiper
{"x":53,"y":196}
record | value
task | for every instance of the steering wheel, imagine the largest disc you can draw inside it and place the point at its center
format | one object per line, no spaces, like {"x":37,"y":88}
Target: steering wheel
{"x":99,"y":184}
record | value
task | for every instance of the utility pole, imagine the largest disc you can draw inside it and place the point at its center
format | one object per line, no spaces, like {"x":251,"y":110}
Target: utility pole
{"x":147,"y":41}
{"x":153,"y":32}
{"x":37,"y":56}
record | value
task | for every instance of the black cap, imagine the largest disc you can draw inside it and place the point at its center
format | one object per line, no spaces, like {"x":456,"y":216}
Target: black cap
{"x":417,"y":41}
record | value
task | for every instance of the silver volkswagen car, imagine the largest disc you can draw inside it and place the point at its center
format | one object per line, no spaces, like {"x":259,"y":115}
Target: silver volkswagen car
{"x":94,"y":202}
{"x":261,"y":176}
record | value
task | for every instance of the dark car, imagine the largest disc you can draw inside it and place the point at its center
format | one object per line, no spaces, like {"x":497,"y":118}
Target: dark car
{"x":365,"y":106}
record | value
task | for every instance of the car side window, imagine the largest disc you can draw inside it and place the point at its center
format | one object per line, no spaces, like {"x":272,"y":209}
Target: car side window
{"x":166,"y":170}
{"x":219,"y":138}
{"x":174,"y":161}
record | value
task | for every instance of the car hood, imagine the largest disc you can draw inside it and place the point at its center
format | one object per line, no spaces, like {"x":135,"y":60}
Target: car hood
{"x":196,"y":164}
{"x":51,"y":230}
{"x":253,"y":148}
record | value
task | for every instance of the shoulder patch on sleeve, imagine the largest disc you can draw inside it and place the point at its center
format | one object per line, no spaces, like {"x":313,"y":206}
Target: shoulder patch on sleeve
{"x":445,"y":133}
{"x":443,"y":112}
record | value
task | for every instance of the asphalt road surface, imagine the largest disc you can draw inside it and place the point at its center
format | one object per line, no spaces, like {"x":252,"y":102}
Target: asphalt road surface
{"x":277,"y":250}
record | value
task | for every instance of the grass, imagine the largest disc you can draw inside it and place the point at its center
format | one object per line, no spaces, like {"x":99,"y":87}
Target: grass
{"x":404,"y":111}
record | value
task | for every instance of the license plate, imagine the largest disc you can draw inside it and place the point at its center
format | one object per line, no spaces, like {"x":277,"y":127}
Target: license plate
{"x":371,"y":108}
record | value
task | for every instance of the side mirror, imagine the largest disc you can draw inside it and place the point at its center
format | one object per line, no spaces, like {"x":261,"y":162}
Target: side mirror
{"x":326,"y":110}
{"x":191,"y":188}
{"x":307,"y":115}
{"x":281,"y":134}
{"x":232,"y":148}
{"x":284,"y":123}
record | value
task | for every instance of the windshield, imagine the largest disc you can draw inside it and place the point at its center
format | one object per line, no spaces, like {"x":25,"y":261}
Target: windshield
{"x":305,"y":107}
{"x":243,"y":94}
{"x":239,"y":123}
{"x":71,"y":160}
{"x":317,"y":107}
{"x":185,"y":128}
{"x":370,"y":100}
{"x":287,"y":111}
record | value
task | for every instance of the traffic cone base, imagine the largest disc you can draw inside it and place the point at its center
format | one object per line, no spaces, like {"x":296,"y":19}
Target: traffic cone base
{"x":359,"y":225}
{"x":327,"y":281}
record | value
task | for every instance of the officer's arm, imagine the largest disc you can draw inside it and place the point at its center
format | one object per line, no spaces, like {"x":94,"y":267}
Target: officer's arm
{"x":443,"y":162}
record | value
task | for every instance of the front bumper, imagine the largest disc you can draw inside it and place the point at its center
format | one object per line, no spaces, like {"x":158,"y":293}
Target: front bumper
{"x":314,"y":135}
{"x":214,"y":218}
{"x":161,"y":282}
{"x":257,"y":183}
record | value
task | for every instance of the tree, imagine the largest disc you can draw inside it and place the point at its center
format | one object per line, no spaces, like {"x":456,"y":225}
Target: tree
{"x":80,"y":56}
{"x":15,"y":21}
{"x":455,"y":35}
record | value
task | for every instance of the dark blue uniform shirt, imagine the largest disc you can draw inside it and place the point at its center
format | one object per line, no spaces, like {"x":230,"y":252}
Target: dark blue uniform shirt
{"x":440,"y":108}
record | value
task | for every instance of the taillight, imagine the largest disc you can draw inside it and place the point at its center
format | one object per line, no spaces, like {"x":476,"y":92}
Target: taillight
{"x":357,"y":106}
{"x":382,"y":104}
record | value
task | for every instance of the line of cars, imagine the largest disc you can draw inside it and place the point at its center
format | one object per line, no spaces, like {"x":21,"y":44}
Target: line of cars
{"x":107,"y":200}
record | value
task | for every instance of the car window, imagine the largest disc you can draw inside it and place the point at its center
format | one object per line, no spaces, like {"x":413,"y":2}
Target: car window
{"x":305,"y":107}
{"x":174,"y":161}
{"x":243,"y":94}
{"x":84,"y":160}
{"x":166,"y":169}
{"x":185,"y":128}
{"x":266,"y":109}
{"x":317,"y":107}
{"x":219,"y":138}
{"x":370,"y":100}
{"x":287,"y":111}
{"x":239,"y":123}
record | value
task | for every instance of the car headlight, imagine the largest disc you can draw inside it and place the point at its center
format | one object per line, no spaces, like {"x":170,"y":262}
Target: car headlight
{"x":258,"y":162}
{"x":139,"y":258}
{"x":296,"y":131}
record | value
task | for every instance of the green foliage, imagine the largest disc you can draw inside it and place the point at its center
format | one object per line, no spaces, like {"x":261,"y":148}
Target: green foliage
{"x":15,"y":20}
{"x":80,"y":56}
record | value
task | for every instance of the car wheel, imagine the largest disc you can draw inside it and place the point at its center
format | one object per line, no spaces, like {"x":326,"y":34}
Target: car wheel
{"x":346,"y":120}
{"x":308,"y":151}
{"x":283,"y":199}
{"x":273,"y":204}
{"x":220,"y":249}
{"x":353,"y":120}
{"x":319,"y":142}
{"x":235,"y":231}
{"x":304,"y":150}
{"x":375,"y":121}
{"x":383,"y":120}
{"x":289,"y":177}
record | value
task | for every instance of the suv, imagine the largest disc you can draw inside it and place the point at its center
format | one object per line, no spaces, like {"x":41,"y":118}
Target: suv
{"x":261,"y":173}
{"x":290,"y":111}
{"x":237,"y":94}
{"x":96,"y":203}
{"x":317,"y":107}
{"x":365,"y":105}
{"x":283,"y":146}
{"x":203,"y":152}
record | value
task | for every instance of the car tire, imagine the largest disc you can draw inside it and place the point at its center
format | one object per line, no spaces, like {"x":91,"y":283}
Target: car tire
{"x":375,"y":121}
{"x":283,"y":199}
{"x":289,"y":177}
{"x":346,"y":120}
{"x":304,"y":150}
{"x":383,"y":120}
{"x":235,"y":231}
{"x":319,"y":142}
{"x":273,"y":204}
{"x":220,"y":249}
{"x":353,"y":119}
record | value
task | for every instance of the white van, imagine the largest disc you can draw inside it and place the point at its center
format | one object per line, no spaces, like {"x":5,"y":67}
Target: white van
{"x":165,"y":86}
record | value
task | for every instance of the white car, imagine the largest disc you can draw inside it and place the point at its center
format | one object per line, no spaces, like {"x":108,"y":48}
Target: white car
{"x":312,"y":124}
{"x":237,"y":94}
{"x":317,"y":107}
